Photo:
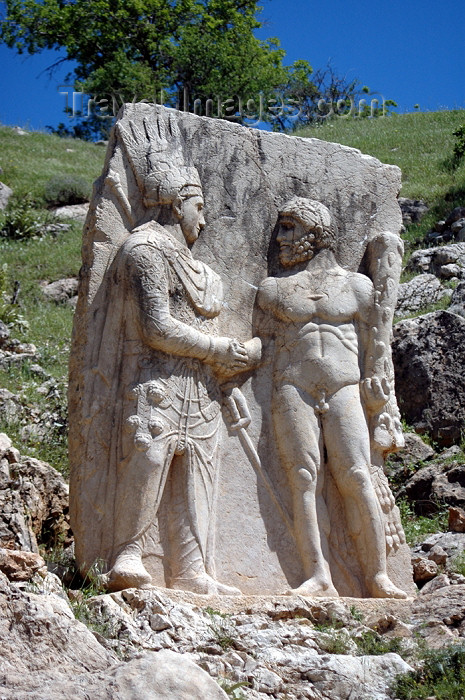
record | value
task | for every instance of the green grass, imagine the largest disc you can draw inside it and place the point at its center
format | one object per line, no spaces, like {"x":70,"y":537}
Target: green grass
{"x":30,"y":161}
{"x":420,"y":144}
{"x":30,"y":262}
{"x":441,"y":675}
{"x":418,"y":527}
{"x":372,"y":644}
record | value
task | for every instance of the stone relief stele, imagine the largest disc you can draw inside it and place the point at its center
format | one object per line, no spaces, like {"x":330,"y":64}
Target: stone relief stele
{"x":231,"y":383}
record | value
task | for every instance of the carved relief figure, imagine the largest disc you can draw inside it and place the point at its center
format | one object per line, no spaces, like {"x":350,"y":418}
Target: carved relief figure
{"x":329,"y":382}
{"x":162,"y":357}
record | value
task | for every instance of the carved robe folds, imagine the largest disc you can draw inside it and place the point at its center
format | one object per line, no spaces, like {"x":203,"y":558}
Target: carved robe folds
{"x":168,"y":402}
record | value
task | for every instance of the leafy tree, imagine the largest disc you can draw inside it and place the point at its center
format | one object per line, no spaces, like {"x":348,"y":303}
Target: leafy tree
{"x":132,"y":49}
{"x":200,"y":54}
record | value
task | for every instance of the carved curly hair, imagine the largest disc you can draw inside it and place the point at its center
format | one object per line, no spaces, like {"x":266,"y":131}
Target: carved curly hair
{"x":311,"y":213}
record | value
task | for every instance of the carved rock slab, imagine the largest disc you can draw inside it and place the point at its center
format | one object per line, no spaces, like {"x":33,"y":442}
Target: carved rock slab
{"x":246,"y":176}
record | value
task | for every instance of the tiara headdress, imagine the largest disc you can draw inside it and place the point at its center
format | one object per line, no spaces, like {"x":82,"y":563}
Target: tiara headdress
{"x":156,"y":156}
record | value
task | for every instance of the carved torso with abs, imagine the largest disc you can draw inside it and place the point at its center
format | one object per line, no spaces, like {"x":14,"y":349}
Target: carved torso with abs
{"x":318,"y":318}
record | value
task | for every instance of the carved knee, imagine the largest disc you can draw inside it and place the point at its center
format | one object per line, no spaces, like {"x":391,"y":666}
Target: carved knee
{"x":355,"y":480}
{"x":305,"y":478}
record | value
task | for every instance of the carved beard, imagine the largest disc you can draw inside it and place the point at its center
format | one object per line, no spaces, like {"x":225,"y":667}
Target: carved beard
{"x":298,"y":251}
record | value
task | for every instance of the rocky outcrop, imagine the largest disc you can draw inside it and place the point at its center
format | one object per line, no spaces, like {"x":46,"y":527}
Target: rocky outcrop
{"x":156,"y":644}
{"x":413,"y":210}
{"x":437,"y":483}
{"x":20,"y":566}
{"x":429,"y":363}
{"x":61,"y":291}
{"x":433,"y":260}
{"x":457,"y":302}
{"x":414,"y":451}
{"x":419,"y":292}
{"x":12,"y":350}
{"x":77,"y":212}
{"x":5,"y":194}
{"x":449,"y":229}
{"x":33,"y":501}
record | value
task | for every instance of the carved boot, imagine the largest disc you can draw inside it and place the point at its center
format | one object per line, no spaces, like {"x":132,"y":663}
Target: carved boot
{"x":128,"y":570}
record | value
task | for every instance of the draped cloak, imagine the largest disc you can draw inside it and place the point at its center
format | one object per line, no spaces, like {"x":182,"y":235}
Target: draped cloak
{"x":160,"y":309}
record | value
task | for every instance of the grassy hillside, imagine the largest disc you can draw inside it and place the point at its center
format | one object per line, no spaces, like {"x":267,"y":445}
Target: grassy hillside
{"x":421,"y":144}
{"x":28,"y":162}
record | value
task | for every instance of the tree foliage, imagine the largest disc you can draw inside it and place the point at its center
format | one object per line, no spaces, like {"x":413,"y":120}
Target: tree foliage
{"x":129,"y":50}
{"x":136,"y":48}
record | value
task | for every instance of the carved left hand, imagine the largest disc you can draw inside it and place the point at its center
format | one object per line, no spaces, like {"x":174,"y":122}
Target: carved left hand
{"x":238,"y":410}
{"x":375,"y":393}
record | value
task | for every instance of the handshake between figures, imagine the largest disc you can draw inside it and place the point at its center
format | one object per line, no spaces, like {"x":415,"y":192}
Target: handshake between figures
{"x":229,"y":356}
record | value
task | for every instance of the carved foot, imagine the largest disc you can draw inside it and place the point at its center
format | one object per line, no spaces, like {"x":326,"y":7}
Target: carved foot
{"x":315,"y":588}
{"x":204,"y":585}
{"x":128,"y":572}
{"x":382,"y":587}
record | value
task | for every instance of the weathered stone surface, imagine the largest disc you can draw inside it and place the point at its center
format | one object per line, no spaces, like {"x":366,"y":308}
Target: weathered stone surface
{"x":414,"y":451}
{"x":450,"y":271}
{"x":33,"y":502}
{"x":455,"y":215}
{"x":460,"y":235}
{"x":275,"y":650}
{"x":61,"y":290}
{"x":438,"y":482}
{"x":457,"y":519}
{"x":141,"y":226}
{"x":423,"y":569}
{"x":78,"y":212}
{"x":432,"y":259}
{"x":438,"y":555}
{"x":446,"y":605}
{"x":418,"y":293}
{"x":42,"y":643}
{"x":5,"y":194}
{"x":368,"y":678}
{"x":412,"y":210}
{"x":437,"y":635}
{"x":457,"y":302}
{"x":20,"y":566}
{"x":457,"y":226}
{"x":429,"y":362}
{"x":163,"y":676}
{"x":435,"y":584}
{"x":45,"y":652}
{"x":453,"y":543}
{"x":274,"y":645}
{"x":4,"y":333}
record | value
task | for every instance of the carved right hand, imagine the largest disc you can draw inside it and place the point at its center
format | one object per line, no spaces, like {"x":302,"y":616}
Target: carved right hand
{"x":229,"y":356}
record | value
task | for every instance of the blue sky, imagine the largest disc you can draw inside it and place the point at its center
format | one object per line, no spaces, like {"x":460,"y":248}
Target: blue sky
{"x":411,"y":51}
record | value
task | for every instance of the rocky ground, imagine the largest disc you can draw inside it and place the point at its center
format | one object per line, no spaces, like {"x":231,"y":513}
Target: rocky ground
{"x":63,"y":638}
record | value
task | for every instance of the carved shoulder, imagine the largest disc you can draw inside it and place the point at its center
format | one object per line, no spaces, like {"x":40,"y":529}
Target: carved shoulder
{"x":267,"y":294}
{"x":364,"y":292}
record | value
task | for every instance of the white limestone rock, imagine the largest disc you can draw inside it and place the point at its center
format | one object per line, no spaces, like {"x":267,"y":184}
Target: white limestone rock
{"x":217,"y":473}
{"x":419,"y":292}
